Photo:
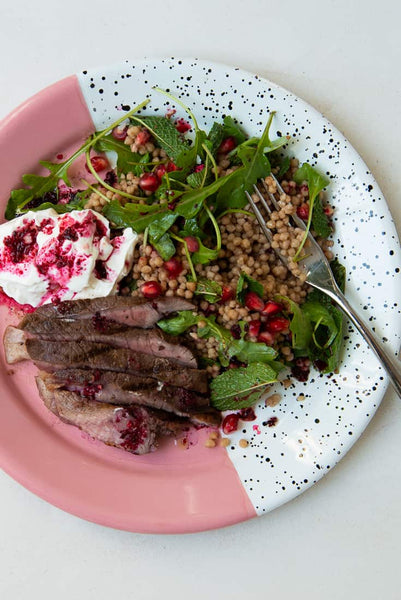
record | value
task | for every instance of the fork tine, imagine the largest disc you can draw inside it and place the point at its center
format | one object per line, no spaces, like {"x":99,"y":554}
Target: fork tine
{"x":262,"y":199}
{"x":261,"y":221}
{"x":271,"y":196}
{"x":259,"y":217}
{"x":299,"y":222}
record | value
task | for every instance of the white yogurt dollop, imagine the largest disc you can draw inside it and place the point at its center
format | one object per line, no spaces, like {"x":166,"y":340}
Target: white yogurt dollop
{"x":46,"y":257}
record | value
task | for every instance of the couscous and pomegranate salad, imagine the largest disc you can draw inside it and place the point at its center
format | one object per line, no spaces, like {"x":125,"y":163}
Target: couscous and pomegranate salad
{"x":171,"y":303}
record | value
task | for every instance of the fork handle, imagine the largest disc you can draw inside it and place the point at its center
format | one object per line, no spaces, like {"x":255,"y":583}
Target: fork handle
{"x":389,"y":362}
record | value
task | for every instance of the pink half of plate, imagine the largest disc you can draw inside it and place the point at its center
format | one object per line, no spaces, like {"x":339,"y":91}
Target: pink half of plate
{"x":173,"y":490}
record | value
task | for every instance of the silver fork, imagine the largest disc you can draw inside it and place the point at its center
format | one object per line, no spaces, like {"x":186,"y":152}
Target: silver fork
{"x":319,"y":275}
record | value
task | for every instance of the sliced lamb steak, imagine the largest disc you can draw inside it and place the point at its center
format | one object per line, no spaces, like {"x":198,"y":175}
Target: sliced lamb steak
{"x":101,"y":330}
{"x":124,"y":389}
{"x":51,"y":356}
{"x":135,"y":312}
{"x":132,"y":428}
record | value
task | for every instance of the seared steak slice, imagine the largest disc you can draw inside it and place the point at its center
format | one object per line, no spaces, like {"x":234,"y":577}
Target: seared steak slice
{"x":135,"y":312}
{"x":102,"y":330}
{"x":124,"y":389}
{"x":14,"y":345}
{"x":132,"y":428}
{"x":51,"y":356}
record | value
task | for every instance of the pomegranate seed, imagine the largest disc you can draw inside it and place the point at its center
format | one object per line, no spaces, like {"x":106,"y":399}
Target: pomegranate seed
{"x":182,"y":126}
{"x":173,"y":267}
{"x":277,"y":325}
{"x":199,"y":168}
{"x":99,"y":163}
{"x":226,"y":293}
{"x":171,"y":167}
{"x":192,"y":243}
{"x":254,"y":327}
{"x":142,"y":137}
{"x":227,"y":145}
{"x":160,"y":170}
{"x":149,"y":182}
{"x":253,"y":301}
{"x":230,"y":423}
{"x":303,"y":211}
{"x":151,"y":289}
{"x":265,"y":337}
{"x":119,"y":133}
{"x":247,"y":414}
{"x":236,"y":331}
{"x":272,"y":308}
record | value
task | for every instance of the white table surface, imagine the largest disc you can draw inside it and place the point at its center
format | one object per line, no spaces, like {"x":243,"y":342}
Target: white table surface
{"x":341,"y":538}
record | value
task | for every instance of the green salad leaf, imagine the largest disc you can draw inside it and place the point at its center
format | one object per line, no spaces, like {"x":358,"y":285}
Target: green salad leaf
{"x":215,"y":137}
{"x":284,"y":166}
{"x":229,"y":347}
{"x":204,"y":255}
{"x":300,"y":325}
{"x":165,"y":133}
{"x":39,"y":185}
{"x":320,"y":221}
{"x":256,"y":166}
{"x":232,"y":129}
{"x":240,"y":388}
{"x":317,"y":325}
{"x":247,"y":284}
{"x":191,"y":202}
{"x":126,"y":159}
{"x":210,"y":290}
{"x":123,"y":216}
{"x":160,"y":224}
{"x":316,"y":183}
{"x":164,"y":246}
{"x":184,"y":320}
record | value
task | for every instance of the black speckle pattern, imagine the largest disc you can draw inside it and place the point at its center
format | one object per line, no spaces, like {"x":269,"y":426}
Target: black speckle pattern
{"x":317,"y":421}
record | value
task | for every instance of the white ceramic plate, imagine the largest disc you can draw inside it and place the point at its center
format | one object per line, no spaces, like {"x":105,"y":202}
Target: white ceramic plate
{"x":311,"y":435}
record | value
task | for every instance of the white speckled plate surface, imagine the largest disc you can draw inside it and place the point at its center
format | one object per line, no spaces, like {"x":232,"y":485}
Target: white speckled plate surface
{"x":312,"y":434}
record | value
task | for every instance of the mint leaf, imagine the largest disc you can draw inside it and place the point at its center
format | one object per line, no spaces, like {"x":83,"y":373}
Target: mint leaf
{"x":241,"y":388}
{"x":320,"y":221}
{"x":167,"y":136}
{"x":339,"y":273}
{"x":250,"y":352}
{"x":285,"y":165}
{"x":210,"y":290}
{"x":215,"y":137}
{"x":247,"y":284}
{"x":195,"y":180}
